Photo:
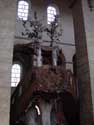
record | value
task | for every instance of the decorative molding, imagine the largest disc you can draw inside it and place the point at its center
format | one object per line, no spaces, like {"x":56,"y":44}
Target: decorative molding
{"x":91,"y":5}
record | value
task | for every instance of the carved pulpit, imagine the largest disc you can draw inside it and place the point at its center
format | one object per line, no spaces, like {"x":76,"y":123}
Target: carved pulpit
{"x":47,"y":81}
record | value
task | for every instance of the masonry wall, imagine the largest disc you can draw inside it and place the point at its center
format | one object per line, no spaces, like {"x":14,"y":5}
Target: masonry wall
{"x":7,"y":26}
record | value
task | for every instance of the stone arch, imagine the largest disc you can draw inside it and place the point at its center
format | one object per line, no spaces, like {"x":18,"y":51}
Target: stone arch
{"x":23,"y":54}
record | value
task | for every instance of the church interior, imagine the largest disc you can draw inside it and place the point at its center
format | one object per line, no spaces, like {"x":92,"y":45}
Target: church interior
{"x":47,"y":62}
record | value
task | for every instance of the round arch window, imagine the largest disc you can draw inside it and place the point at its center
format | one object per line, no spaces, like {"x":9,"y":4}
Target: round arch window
{"x":15,"y":75}
{"x":51,"y":12}
{"x":23,"y":8}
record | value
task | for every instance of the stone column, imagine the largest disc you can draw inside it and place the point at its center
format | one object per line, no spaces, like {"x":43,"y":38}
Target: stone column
{"x":88,"y":16}
{"x":46,"y":113}
{"x":7,"y":29}
{"x":84,"y":38}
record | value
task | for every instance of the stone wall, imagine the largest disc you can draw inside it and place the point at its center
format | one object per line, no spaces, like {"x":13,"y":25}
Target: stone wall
{"x":7,"y":26}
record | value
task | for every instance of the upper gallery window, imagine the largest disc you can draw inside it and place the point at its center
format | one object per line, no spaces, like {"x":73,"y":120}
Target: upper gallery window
{"x":51,"y":12}
{"x":23,"y":8}
{"x":15,"y":75}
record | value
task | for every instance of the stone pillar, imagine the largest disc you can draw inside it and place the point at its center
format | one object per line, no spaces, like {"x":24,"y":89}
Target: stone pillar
{"x":84,"y":38}
{"x":7,"y":29}
{"x":46,"y":113}
{"x":88,"y":16}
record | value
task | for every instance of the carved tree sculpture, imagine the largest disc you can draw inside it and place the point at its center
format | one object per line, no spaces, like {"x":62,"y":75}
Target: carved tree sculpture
{"x":54,"y":32}
{"x":35,"y":30}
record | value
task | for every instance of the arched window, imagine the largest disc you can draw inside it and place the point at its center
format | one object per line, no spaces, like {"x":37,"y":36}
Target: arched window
{"x":23,"y":8}
{"x":51,"y":12}
{"x":15,"y":75}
